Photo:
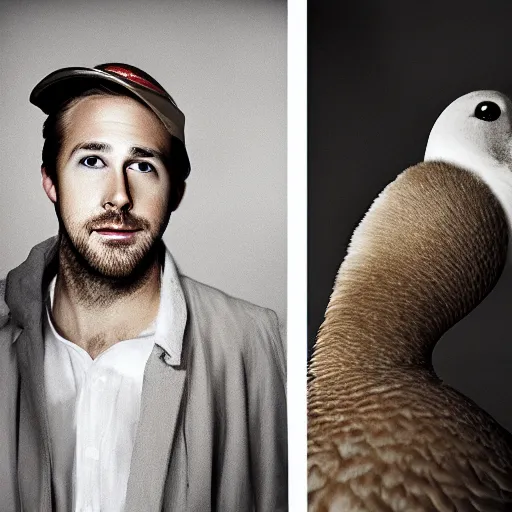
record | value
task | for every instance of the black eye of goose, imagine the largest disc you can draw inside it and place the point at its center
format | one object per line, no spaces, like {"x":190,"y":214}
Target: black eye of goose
{"x":487,"y":111}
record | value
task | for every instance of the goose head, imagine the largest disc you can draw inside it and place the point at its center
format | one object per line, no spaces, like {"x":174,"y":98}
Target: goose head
{"x":475,"y":133}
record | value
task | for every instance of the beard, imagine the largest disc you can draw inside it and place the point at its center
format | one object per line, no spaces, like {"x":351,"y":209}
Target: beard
{"x":117,"y":260}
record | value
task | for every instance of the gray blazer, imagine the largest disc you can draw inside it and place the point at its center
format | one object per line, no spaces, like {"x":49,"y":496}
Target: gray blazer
{"x":212,"y":429}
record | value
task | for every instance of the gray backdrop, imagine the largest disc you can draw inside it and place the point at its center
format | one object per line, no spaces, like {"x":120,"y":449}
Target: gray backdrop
{"x":380,"y":73}
{"x":224,"y":62}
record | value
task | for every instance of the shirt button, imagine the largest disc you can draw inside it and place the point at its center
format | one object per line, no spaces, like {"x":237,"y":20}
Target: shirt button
{"x":92,"y":453}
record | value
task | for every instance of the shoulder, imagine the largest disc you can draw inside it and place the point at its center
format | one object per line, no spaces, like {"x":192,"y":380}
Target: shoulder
{"x":233,"y":323}
{"x":8,"y":331}
{"x":4,"y":309}
{"x":213,"y":300}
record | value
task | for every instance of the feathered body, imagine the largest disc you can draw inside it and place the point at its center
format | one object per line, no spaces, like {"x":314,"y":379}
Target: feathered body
{"x":384,"y":433}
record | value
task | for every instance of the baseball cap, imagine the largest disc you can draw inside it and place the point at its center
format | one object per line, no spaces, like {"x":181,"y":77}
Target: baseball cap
{"x":65,"y":83}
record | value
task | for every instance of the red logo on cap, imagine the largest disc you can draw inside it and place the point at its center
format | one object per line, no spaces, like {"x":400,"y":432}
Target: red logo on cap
{"x":130,"y":75}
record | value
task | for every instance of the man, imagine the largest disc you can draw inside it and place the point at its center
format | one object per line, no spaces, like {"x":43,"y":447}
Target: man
{"x":125,"y":385}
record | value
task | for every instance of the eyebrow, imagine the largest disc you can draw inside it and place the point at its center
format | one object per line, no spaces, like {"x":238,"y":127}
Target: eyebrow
{"x":135,"y":151}
{"x":92,"y":146}
{"x":140,"y":152}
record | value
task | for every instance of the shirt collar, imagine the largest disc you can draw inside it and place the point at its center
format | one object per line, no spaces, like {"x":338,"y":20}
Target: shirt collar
{"x":168,"y":328}
{"x":172,"y":312}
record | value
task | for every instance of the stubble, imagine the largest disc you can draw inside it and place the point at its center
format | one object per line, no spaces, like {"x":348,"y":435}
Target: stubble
{"x":100,"y":273}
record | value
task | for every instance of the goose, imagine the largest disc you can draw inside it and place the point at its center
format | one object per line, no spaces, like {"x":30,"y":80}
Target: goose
{"x":384,"y":432}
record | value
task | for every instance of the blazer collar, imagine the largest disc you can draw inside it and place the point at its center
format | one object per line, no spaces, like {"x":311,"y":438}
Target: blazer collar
{"x":26,"y":284}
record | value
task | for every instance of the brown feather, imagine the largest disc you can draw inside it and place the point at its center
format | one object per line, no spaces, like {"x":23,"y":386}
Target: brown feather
{"x":384,"y":433}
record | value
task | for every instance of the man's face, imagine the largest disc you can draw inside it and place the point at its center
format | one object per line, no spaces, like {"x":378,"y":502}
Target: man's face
{"x":113,"y":187}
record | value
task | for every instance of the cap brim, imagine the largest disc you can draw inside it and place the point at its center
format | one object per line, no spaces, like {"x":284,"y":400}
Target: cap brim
{"x":66,"y":83}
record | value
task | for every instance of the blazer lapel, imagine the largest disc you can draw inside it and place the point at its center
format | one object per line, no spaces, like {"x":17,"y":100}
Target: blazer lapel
{"x":161,"y":399}
{"x":34,"y":469}
{"x":25,"y":287}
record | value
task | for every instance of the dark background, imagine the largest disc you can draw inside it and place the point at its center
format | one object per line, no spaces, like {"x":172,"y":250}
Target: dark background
{"x":379,"y":75}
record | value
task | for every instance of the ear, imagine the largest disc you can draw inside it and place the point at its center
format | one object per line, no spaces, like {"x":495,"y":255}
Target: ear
{"x":177,"y":194}
{"x":48,"y":185}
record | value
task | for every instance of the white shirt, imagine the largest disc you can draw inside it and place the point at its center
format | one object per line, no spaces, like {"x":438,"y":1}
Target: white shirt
{"x":93,"y":405}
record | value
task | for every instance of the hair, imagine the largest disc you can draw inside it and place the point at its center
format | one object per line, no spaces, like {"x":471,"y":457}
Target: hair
{"x":54,"y":132}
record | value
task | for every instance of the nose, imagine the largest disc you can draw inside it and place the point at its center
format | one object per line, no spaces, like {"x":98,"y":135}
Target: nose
{"x":117,"y":194}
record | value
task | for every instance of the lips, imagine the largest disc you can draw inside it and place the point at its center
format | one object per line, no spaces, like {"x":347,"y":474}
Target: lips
{"x":113,"y":226}
{"x":116,"y":232}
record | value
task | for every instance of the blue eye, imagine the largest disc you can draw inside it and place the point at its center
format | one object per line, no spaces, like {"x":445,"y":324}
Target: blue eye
{"x":92,"y":162}
{"x":141,"y":167}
